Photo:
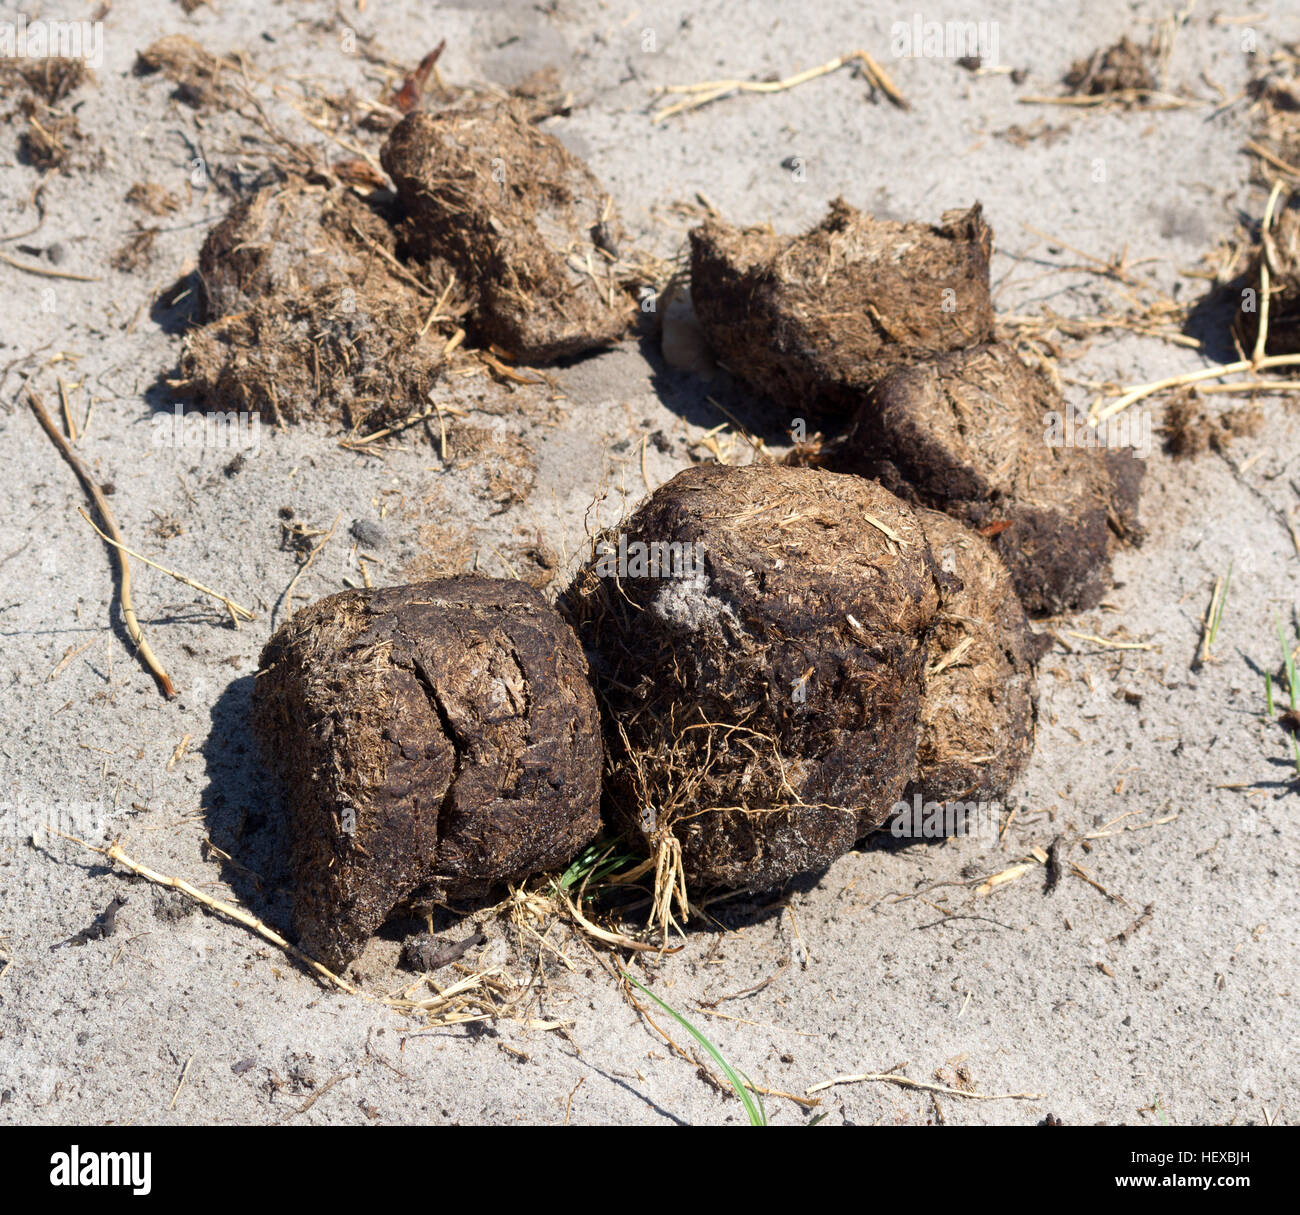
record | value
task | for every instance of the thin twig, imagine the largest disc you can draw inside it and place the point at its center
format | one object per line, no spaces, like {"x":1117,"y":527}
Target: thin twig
{"x":180,"y":1084}
{"x":46,"y":273}
{"x":904,"y":1082}
{"x":287,"y":597}
{"x":110,"y":524}
{"x":229,"y":910}
{"x":616,"y":939}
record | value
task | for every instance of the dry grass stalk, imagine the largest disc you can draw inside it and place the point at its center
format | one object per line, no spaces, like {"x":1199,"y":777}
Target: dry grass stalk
{"x":46,"y":272}
{"x":708,"y":91}
{"x":237,"y":613}
{"x":115,"y":853}
{"x":476,"y":997}
{"x":905,"y":1082}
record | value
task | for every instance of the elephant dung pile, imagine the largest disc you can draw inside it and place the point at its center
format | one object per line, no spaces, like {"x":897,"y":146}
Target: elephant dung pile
{"x":319,"y":301}
{"x":783,"y":654}
{"x":813,"y":321}
{"x":887,"y":329}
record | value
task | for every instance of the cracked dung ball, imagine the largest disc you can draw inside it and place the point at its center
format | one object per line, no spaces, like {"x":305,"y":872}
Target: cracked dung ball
{"x":812,"y":321}
{"x":978,"y":696}
{"x":758,"y":636}
{"x":968,"y":434}
{"x":523,"y":222}
{"x":435,"y":739}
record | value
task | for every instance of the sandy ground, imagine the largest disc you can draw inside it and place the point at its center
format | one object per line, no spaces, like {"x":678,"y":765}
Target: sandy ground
{"x":186,"y":1018}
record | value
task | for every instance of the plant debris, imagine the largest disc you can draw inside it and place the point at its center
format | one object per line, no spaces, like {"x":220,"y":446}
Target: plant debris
{"x":203,"y":80}
{"x":308,"y":313}
{"x":498,"y":465}
{"x":709,"y":91}
{"x":112,"y":536}
{"x":814,"y":321}
{"x":150,"y":196}
{"x":1122,"y":68}
{"x":436,"y":740}
{"x":1279,"y":251}
{"x":44,"y":86}
{"x":136,"y":251}
{"x":1191,"y":429}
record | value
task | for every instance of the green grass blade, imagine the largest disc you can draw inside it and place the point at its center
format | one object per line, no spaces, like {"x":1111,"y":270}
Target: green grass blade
{"x":591,"y":864}
{"x":1288,"y":662}
{"x":753,"y":1107}
{"x":1218,"y":608}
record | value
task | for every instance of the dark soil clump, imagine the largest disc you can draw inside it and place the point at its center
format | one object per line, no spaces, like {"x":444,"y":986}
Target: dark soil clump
{"x":814,"y":321}
{"x":435,"y":739}
{"x":759,"y":639}
{"x":1121,"y":68}
{"x":1192,"y":430}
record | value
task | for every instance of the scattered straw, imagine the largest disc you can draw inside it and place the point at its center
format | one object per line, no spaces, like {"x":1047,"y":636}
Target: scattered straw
{"x":180,"y":1084}
{"x":45,"y":272}
{"x":568,"y":1105}
{"x":616,"y":939}
{"x":1148,"y":99}
{"x":71,"y":653}
{"x":317,"y":1095}
{"x":708,"y":91}
{"x":1258,"y":361}
{"x":114,"y":853}
{"x":886,"y":529}
{"x":287,"y":597}
{"x":69,"y":424}
{"x":1213,"y":617}
{"x":1108,"y":643}
{"x":179,"y":752}
{"x":1010,"y":874}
